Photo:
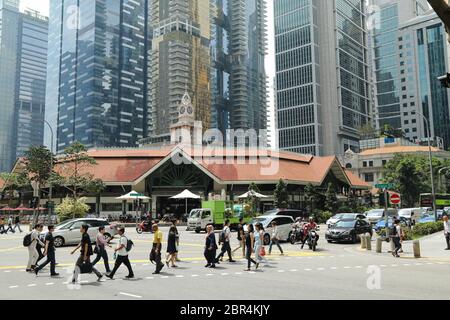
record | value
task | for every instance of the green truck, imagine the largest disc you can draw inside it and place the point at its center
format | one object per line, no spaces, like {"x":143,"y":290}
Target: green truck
{"x":215,"y":213}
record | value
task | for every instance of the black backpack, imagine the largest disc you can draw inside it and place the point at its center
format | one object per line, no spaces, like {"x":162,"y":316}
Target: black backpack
{"x":27,"y":240}
{"x":393,"y":230}
{"x":130,"y":245}
{"x":222,"y":237}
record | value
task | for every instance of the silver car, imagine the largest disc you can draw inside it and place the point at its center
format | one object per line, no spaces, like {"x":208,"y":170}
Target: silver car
{"x":68,"y":232}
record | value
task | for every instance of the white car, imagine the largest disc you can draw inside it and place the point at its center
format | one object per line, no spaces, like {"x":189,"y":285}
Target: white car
{"x":68,"y":232}
{"x":411,"y":214}
{"x":284,"y":224}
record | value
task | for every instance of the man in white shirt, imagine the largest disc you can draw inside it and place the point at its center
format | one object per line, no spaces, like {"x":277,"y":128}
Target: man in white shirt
{"x":447,"y":231}
{"x":122,"y":256}
{"x":33,"y":254}
{"x":225,"y":240}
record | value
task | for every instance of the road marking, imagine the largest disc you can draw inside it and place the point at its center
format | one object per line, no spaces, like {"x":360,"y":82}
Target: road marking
{"x":308,"y":269}
{"x":406,"y":264}
{"x":164,"y":277}
{"x":32,"y":285}
{"x":130,"y":295}
{"x":224,"y":274}
{"x":394,"y":265}
{"x":149,"y":278}
{"x":383,"y":265}
{"x":320,"y":269}
{"x":358,"y":267}
{"x":146,"y":264}
{"x":13,"y":287}
{"x":293,"y":270}
{"x":419,"y":264}
{"x":280,"y":271}
{"x":238,"y":273}
{"x":49,"y":284}
{"x":194,"y":275}
{"x":209,"y":274}
{"x":7,"y":271}
{"x":179,"y":276}
{"x":333,"y":268}
{"x":347,"y":267}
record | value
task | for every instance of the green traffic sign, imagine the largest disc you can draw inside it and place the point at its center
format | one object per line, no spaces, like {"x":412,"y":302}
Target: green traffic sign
{"x":384,"y":186}
{"x":136,"y":195}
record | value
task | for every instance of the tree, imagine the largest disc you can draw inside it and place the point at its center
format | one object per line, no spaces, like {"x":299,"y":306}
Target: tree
{"x":254,"y":201}
{"x":410,"y":175}
{"x":331,"y":201}
{"x":367,"y":131}
{"x":13,"y":182}
{"x":281,"y":195}
{"x":352,"y":201}
{"x":38,"y":164}
{"x":71,"y":208}
{"x":312,"y":196}
{"x":76,"y":164}
{"x":96,"y":187}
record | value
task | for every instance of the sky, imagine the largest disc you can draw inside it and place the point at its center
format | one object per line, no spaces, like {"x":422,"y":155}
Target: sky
{"x":43,"y":7}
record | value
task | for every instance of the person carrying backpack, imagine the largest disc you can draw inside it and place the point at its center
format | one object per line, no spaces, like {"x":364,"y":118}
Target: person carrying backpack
{"x":225,"y":241}
{"x":396,"y":232}
{"x":121,"y":251}
{"x":30,"y":241}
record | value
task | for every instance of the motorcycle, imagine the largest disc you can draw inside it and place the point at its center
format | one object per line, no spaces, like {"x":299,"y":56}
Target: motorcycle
{"x":296,"y":234}
{"x":312,"y":240}
{"x":145,"y":226}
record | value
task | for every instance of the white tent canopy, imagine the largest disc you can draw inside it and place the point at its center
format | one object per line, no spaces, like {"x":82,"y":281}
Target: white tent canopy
{"x":133,"y":195}
{"x":251,"y":193}
{"x":186,"y":194}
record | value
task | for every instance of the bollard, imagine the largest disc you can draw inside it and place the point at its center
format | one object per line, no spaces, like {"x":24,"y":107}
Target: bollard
{"x":416,"y":248}
{"x":368,"y":242}
{"x":379,"y":245}
{"x":363,"y":242}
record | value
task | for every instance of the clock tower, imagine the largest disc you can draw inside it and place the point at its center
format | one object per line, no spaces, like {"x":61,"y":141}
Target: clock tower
{"x":182,"y":131}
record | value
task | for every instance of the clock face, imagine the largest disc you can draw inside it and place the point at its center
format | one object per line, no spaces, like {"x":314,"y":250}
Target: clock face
{"x":190,"y":110}
{"x":182,"y":110}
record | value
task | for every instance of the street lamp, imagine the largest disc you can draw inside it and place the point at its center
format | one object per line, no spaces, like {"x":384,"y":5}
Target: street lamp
{"x":433,"y":191}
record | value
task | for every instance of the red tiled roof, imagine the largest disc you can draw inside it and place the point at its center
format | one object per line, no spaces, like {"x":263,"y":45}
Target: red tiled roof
{"x":130,"y":165}
{"x":398,"y":149}
{"x":356,"y":181}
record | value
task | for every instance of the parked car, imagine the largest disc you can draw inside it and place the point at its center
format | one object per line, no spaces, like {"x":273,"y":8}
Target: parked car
{"x":382,"y":223}
{"x":375,"y":215}
{"x":344,"y":216}
{"x":411,"y":214}
{"x":68,"y":232}
{"x":286,"y":212}
{"x":348,"y":230}
{"x":284,"y":224}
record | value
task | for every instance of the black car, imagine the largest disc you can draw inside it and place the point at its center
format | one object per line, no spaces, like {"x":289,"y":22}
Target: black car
{"x":348,"y":230}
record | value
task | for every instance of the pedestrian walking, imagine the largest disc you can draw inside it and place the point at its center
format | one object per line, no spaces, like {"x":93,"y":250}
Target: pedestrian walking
{"x":396,"y":237}
{"x":121,"y":254}
{"x":447,"y":231}
{"x":100,"y":249}
{"x":275,"y":239}
{"x":155,"y":254}
{"x":2,"y":226}
{"x":177,"y":242}
{"x":49,"y":251}
{"x":83,"y":264}
{"x":225,"y":241}
{"x":259,"y":247}
{"x":171,"y":247}
{"x":10,"y":228}
{"x":33,"y":254}
{"x":249,"y":243}
{"x":241,"y":237}
{"x":210,"y":247}
{"x":17,"y":224}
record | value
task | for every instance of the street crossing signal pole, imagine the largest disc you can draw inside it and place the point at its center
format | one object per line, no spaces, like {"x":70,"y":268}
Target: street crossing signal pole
{"x":386,"y":211}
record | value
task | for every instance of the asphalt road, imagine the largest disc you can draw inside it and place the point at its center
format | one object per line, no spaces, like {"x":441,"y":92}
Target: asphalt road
{"x":335,"y":271}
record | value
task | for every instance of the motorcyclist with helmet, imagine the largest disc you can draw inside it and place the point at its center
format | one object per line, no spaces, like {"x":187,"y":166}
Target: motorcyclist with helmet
{"x":311,"y":225}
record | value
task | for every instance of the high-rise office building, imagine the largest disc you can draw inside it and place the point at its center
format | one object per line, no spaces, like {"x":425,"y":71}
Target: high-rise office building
{"x":215,"y":49}
{"x":23,"y":56}
{"x":424,"y":56}
{"x":97,"y":72}
{"x":385,"y":32}
{"x":322,"y":75}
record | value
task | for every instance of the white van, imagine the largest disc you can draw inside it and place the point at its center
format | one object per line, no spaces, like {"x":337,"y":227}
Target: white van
{"x":411,"y":214}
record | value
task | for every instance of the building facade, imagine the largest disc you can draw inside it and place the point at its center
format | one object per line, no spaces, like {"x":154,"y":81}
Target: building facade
{"x":215,"y":49}
{"x":97,"y":72}
{"x":23,"y":56}
{"x":323,"y":92}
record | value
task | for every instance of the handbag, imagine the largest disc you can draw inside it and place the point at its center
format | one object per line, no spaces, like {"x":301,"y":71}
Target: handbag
{"x":86,"y":267}
{"x":262,"y":251}
{"x":96,"y":251}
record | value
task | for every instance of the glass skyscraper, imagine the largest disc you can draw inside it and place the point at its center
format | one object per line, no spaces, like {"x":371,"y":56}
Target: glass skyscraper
{"x":323,"y":92}
{"x":23,"y":56}
{"x":215,"y":49}
{"x":97,"y":72}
